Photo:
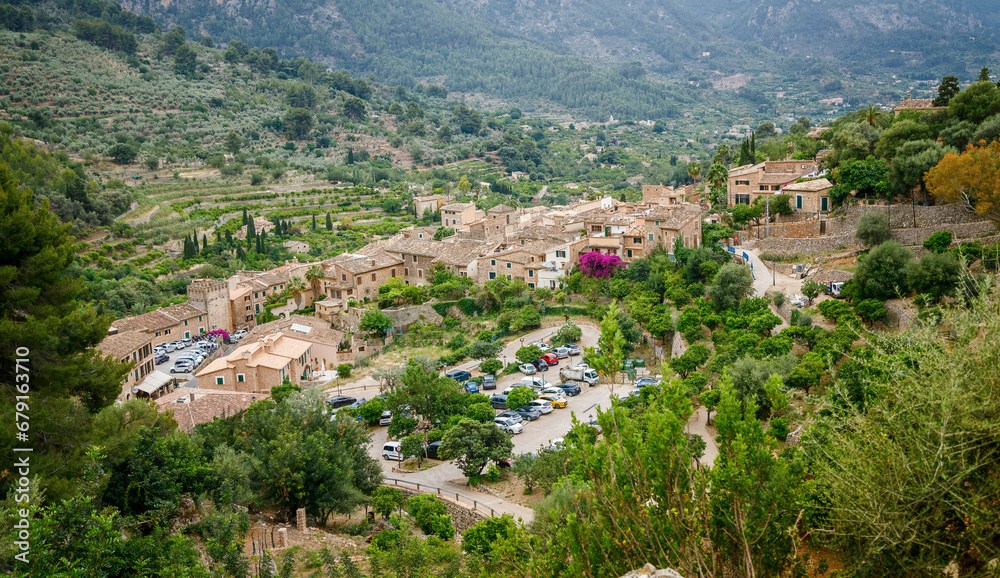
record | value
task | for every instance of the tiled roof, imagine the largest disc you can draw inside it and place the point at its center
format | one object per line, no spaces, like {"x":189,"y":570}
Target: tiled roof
{"x":777,"y":178}
{"x":832,"y":276}
{"x":122,"y":345}
{"x":282,"y":350}
{"x":675,"y":216}
{"x":605,"y":242}
{"x":372,"y":262}
{"x":915,"y":103}
{"x":152,"y":321}
{"x":745,"y":170}
{"x":320,"y":330}
{"x":810,"y":186}
{"x":207,"y":405}
{"x":238,"y":292}
{"x":500,"y":209}
{"x":457,"y":207}
{"x":416,"y":246}
{"x":182,"y":311}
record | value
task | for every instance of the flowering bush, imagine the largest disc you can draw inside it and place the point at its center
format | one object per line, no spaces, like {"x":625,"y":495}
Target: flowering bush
{"x":594,"y":264}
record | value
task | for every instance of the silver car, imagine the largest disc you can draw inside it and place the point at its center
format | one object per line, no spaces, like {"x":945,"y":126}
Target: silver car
{"x":508,"y":425}
{"x":560,"y":352}
{"x":527,"y":369}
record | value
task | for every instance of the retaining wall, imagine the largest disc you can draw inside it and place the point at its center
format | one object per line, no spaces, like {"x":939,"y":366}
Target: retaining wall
{"x":808,"y":244}
{"x":461,"y":517}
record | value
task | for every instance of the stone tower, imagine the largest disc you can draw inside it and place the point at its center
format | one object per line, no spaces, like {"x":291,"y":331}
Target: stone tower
{"x":212,"y":296}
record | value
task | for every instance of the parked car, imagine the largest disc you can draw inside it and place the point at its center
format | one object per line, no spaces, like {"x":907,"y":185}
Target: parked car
{"x":560,"y":352}
{"x":644,"y":381}
{"x":550,"y":358}
{"x":169,"y":347}
{"x":573,"y":348}
{"x":540,"y":364}
{"x":339,"y":401}
{"x":527,"y":369}
{"x":385,"y":418}
{"x":512,"y":414}
{"x":179,"y":345}
{"x":570,"y":388}
{"x":552,"y":390}
{"x":490,"y":381}
{"x":528,"y":413}
{"x":508,"y":425}
{"x":499,"y":401}
{"x":432,"y":450}
{"x":541,"y":405}
{"x":186,"y":341}
{"x":181,"y":368}
{"x":238,"y":335}
{"x":358,"y":403}
{"x":459,"y":375}
{"x":392,"y":451}
{"x":541,"y":345}
{"x":557,"y":402}
{"x":471,"y":387}
{"x":534,"y":382}
{"x":162,"y":358}
{"x":556,"y":444}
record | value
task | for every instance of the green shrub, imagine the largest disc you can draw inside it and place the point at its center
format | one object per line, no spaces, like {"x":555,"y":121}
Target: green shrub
{"x":779,"y":428}
{"x":938,"y":242}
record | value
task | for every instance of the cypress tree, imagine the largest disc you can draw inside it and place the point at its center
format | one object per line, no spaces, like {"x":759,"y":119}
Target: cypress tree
{"x":329,"y":222}
{"x":314,"y":222}
{"x":753,"y":147}
{"x":240,"y":253}
{"x":245,"y":218}
{"x":229,"y":237}
{"x":204,"y":242}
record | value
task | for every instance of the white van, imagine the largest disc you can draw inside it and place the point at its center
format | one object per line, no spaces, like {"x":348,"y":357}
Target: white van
{"x":392,"y":451}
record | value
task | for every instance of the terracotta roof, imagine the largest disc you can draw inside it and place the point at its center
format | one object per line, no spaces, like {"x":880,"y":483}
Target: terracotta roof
{"x":916,"y":104}
{"x":745,"y":170}
{"x":122,"y":345}
{"x":372,"y":262}
{"x":674,"y":217}
{"x":810,"y":186}
{"x":151,"y":321}
{"x":416,"y":246}
{"x":777,"y":178}
{"x":457,"y":207}
{"x":207,"y":405}
{"x":238,"y":292}
{"x":181,"y":311}
{"x":500,"y":209}
{"x":832,"y":276}
{"x":282,"y":350}
{"x":320,"y":330}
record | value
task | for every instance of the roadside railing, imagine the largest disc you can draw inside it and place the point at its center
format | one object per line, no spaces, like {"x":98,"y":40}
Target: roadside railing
{"x":426,"y":489}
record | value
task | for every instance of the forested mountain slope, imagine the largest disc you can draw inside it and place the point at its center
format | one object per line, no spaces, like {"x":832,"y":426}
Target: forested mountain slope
{"x":629,"y":60}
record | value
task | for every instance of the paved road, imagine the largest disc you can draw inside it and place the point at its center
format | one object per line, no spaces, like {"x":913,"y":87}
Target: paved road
{"x":764,"y":278}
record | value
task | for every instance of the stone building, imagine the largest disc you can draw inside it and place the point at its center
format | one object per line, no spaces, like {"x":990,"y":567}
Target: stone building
{"x":810,"y":197}
{"x":320,"y":333}
{"x":257,"y":366}
{"x":748,"y":182}
{"x":458,"y":214}
{"x":134,"y":347}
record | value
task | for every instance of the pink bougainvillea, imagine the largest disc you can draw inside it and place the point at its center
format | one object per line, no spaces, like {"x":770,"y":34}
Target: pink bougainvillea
{"x":594,"y":264}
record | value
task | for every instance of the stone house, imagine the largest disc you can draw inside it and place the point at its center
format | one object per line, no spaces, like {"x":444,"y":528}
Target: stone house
{"x":192,"y":407}
{"x":458,"y":214}
{"x":260,"y":225}
{"x":667,"y":224}
{"x":915,"y":104}
{"x":810,"y":197}
{"x":296,"y":246}
{"x":518,"y":263}
{"x":357,"y":276}
{"x":748,"y":182}
{"x":325,"y":340}
{"x":177,"y":321}
{"x":257,"y":366}
{"x":134,"y":347}
{"x":426,"y":203}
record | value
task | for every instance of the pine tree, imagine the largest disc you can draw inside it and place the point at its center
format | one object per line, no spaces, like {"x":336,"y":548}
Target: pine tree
{"x":329,"y":222}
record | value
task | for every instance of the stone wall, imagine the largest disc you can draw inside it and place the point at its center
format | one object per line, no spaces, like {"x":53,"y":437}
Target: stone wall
{"x":461,"y":517}
{"x":899,"y":317}
{"x":794,"y":229}
{"x":959,"y":231}
{"x":807,"y":244}
{"x":901,"y":216}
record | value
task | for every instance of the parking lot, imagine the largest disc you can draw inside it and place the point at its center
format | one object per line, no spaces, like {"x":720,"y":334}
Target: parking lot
{"x":173,"y":357}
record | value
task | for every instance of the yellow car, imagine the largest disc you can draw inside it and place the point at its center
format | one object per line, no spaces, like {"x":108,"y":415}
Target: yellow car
{"x":554,"y":400}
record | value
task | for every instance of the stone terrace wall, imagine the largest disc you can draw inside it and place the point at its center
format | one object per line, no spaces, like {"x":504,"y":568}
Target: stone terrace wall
{"x":902,"y":217}
{"x":808,"y":244}
{"x":794,"y":229}
{"x":959,"y":231}
{"x":461,"y":517}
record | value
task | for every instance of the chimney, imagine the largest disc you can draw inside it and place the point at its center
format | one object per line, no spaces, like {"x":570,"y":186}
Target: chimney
{"x":372,"y":262}
{"x":248,"y":355}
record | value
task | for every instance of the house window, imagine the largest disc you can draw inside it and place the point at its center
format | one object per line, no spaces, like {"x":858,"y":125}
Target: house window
{"x":637,"y":240}
{"x":493,"y":262}
{"x":199,"y":318}
{"x":650,"y":236}
{"x":509,"y":277}
{"x":392,"y":272}
{"x":257,"y":308}
{"x":185,"y":322}
{"x":561,"y":254}
{"x":508,"y":265}
{"x":220,"y":380}
{"x":420,"y":273}
{"x":824,"y":204}
{"x":630,"y":253}
{"x":531,"y":273}
{"x":531,"y":285}
{"x":240,"y":377}
{"x":522,"y":241}
{"x":493,"y":275}
{"x":742,"y":199}
{"x":255,"y":295}
{"x":414,"y":258}
{"x":406,"y":271}
{"x":166,"y":332}
{"x":157,"y":333}
{"x":657,"y":223}
{"x":343,"y":277}
{"x":373,"y":276}
{"x":798,"y":201}
{"x":763,"y":187}
{"x":248,"y":308}
{"x":187,"y":335}
{"x":358,"y":281}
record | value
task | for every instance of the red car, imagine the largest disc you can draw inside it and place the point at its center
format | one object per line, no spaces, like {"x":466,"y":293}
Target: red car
{"x":550,"y":358}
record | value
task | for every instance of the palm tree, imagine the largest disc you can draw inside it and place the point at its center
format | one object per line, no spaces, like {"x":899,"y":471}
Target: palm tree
{"x":717,"y":177}
{"x":296,"y":286}
{"x":873,"y":115}
{"x":314,"y":275}
{"x":694,"y":169}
